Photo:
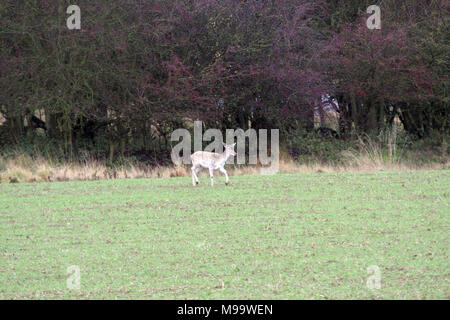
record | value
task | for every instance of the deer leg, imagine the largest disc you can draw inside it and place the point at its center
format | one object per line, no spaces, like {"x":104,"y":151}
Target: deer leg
{"x":194,"y":175}
{"x":226,"y":175}
{"x":211,"y":175}
{"x":196,"y":171}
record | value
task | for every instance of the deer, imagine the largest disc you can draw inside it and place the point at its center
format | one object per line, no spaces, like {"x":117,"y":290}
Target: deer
{"x":212,"y":161}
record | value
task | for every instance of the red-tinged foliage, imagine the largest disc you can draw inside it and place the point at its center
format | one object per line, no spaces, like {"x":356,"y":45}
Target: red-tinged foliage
{"x":265,"y":64}
{"x":374,"y":70}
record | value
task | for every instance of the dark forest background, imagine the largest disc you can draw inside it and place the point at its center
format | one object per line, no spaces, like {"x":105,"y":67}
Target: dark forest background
{"x":137,"y":70}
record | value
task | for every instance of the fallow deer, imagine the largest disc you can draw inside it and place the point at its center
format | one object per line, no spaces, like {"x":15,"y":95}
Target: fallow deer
{"x":212,"y":161}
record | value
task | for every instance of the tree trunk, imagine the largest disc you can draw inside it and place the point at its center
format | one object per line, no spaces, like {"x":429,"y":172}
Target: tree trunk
{"x":371,"y":125}
{"x":112,"y":146}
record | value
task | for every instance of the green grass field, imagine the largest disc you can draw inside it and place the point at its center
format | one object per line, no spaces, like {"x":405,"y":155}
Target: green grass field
{"x":285,"y":236}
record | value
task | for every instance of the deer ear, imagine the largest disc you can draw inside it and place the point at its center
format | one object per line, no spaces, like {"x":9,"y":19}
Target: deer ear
{"x":224,"y":144}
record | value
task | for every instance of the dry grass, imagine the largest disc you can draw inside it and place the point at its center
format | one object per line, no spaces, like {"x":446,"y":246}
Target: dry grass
{"x":25,"y":169}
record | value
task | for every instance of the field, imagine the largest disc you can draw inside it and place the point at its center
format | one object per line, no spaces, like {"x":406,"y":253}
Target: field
{"x":285,"y":236}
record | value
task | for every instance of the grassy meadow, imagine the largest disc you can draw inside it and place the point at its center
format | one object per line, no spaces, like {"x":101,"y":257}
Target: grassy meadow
{"x":284,"y":236}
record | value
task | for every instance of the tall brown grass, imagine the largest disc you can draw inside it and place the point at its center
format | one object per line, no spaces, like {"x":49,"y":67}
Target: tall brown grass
{"x":368,"y":157}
